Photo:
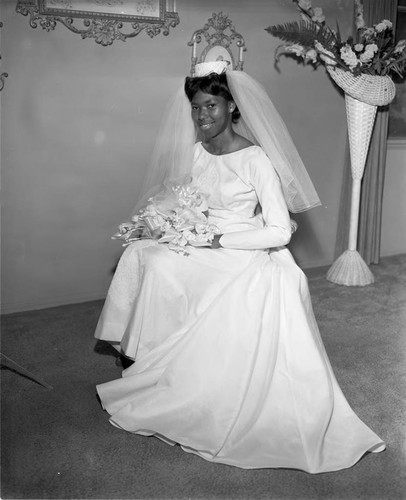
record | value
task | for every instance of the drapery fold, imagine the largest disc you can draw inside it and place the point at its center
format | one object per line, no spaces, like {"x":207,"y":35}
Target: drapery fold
{"x":370,"y":215}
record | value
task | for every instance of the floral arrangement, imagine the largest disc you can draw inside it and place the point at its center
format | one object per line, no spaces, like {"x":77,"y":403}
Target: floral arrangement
{"x":176,"y":216}
{"x":373,"y":51}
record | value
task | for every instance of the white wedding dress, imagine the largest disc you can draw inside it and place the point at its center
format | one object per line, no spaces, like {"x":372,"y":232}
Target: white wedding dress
{"x":229,"y":362}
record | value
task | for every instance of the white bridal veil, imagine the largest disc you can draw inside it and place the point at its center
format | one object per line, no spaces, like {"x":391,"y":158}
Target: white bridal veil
{"x":172,"y":157}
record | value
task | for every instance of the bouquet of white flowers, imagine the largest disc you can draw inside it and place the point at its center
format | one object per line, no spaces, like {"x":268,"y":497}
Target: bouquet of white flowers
{"x":373,"y":51}
{"x":175,"y":216}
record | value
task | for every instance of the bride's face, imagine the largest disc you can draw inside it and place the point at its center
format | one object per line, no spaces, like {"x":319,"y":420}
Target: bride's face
{"x":211,"y":114}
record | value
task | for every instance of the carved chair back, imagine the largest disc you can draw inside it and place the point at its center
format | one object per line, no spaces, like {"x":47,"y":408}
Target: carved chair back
{"x":219,"y":34}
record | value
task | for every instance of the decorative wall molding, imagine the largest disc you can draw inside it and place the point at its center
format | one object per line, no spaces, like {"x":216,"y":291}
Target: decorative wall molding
{"x":397,"y":143}
{"x":103,"y":20}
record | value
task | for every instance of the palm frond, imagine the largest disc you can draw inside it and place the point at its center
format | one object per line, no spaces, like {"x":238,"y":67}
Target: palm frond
{"x":338,"y":35}
{"x":304,"y":33}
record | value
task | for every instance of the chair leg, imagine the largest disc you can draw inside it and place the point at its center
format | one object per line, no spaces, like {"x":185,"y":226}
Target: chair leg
{"x":12,"y":364}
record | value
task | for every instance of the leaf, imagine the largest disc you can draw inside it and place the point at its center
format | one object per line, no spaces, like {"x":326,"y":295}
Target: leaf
{"x":338,"y":36}
{"x":304,"y":33}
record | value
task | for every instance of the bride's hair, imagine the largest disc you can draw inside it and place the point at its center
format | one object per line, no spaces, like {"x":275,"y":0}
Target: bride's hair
{"x":212,"y":84}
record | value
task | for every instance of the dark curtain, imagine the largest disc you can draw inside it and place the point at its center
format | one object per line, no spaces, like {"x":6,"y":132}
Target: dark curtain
{"x":369,"y":229}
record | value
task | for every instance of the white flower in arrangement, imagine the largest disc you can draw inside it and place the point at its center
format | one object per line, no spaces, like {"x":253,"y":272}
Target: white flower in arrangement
{"x":125,"y":227}
{"x":383,"y":25}
{"x":305,"y":4}
{"x":366,"y":57}
{"x":371,"y":47}
{"x":368,"y":33}
{"x":318,"y":16}
{"x":174,"y":216}
{"x":311,"y":55}
{"x":359,"y":15}
{"x":349,"y":56}
{"x":371,"y":51}
{"x":188,"y":195}
{"x":325,"y":55}
{"x":400,"y":47}
{"x":296,"y":49}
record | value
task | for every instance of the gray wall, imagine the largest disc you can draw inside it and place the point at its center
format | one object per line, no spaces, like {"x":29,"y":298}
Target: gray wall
{"x":78,"y":124}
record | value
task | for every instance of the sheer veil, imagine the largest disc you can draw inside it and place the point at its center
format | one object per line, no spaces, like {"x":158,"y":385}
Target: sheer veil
{"x":262,"y":124}
{"x":172,"y":157}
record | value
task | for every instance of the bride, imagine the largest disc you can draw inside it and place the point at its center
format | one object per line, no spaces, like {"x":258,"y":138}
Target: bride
{"x":228,"y":360}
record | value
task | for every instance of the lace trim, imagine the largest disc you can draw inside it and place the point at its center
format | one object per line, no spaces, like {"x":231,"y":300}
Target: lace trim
{"x":207,"y":182}
{"x":126,"y":282}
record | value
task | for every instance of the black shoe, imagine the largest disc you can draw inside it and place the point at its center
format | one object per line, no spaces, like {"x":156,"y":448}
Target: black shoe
{"x":123,"y":361}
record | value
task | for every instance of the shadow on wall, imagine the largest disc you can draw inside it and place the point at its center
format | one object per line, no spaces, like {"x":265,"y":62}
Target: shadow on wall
{"x":305,"y":241}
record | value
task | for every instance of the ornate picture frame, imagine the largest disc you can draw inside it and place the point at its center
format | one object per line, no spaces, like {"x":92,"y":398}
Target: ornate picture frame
{"x":103,"y":20}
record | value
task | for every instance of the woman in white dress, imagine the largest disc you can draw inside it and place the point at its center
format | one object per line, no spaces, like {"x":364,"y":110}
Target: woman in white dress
{"x":228,"y":360}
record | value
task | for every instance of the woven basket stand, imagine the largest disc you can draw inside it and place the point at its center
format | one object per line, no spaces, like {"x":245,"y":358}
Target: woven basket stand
{"x":362,"y":96}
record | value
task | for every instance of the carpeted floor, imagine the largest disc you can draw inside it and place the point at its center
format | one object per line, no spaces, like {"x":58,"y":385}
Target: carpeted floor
{"x":59,"y":444}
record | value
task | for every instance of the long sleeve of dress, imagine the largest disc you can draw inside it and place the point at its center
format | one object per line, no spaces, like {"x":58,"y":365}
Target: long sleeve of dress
{"x":277,"y":228}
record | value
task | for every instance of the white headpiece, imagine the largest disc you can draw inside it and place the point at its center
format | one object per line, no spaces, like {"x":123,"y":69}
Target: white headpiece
{"x":205,"y":68}
{"x":172,"y":158}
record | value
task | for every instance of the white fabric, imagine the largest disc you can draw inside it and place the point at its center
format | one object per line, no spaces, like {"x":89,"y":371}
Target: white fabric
{"x":229,"y":362}
{"x":262,"y":123}
{"x":172,"y":157}
{"x":205,"y":68}
{"x":231,"y":211}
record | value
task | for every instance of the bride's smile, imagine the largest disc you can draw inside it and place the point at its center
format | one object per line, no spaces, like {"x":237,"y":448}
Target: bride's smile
{"x":211,"y":114}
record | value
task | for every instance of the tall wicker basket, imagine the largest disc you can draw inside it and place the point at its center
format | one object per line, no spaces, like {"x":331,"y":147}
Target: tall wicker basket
{"x":363,"y":94}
